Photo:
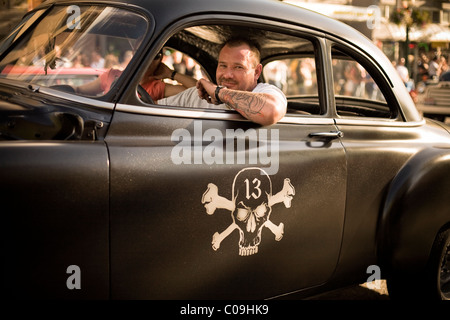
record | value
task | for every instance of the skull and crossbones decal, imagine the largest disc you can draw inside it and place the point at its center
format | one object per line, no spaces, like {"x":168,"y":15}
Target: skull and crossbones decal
{"x":250,"y":207}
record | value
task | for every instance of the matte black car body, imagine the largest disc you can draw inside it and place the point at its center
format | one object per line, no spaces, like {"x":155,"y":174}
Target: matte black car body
{"x":91,"y":181}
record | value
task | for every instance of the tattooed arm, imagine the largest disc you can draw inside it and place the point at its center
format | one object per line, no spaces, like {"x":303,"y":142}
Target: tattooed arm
{"x":259,"y":107}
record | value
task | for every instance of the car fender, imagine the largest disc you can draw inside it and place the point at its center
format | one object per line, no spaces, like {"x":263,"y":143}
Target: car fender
{"x":417,"y":206}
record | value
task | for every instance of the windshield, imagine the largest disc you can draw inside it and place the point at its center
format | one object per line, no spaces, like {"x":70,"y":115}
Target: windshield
{"x":74,"y":46}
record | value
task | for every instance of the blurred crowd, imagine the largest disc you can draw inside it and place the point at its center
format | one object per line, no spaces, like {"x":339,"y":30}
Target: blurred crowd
{"x":298,"y":76}
{"x":431,"y":68}
{"x":293,"y":76}
{"x":69,"y":59}
{"x":95,"y":60}
{"x":182,"y":63}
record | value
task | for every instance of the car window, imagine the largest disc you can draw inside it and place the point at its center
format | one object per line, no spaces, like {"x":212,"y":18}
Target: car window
{"x":170,"y":72}
{"x":75,"y":45}
{"x":297,"y":78}
{"x":294,"y":72}
{"x":356,"y":89}
{"x":182,"y":63}
{"x":19,"y":29}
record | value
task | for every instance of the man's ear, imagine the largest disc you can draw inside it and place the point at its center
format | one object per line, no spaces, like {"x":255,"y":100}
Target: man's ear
{"x":258,"y":71}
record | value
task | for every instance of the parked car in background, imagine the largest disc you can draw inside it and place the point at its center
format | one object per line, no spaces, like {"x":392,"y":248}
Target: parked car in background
{"x":433,"y":99}
{"x":113,"y":196}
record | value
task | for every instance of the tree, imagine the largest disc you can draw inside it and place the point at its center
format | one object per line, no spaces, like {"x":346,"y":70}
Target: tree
{"x":409,"y":16}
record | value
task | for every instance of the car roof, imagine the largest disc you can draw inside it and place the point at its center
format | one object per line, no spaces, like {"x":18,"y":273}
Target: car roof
{"x":168,"y":11}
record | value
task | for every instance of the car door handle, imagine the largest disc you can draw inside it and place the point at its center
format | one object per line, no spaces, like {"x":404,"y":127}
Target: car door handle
{"x":327,"y":135}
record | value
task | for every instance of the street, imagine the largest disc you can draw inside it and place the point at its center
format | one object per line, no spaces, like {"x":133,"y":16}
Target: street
{"x":357,"y":292}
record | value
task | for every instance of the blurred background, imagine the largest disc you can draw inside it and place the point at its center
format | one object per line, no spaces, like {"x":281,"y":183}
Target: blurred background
{"x":410,"y":32}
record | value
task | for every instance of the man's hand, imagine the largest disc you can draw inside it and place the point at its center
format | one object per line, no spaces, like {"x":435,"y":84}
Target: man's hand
{"x":206,"y":90}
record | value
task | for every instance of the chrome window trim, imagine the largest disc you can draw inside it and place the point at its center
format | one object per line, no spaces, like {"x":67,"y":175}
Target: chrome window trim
{"x":81,"y":99}
{"x":214,"y":114}
{"x":374,"y":122}
{"x":62,"y":95}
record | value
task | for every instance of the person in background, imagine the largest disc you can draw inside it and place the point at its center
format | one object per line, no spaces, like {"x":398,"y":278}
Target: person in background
{"x":97,"y":61}
{"x":152,"y":81}
{"x":404,"y":74}
{"x":433,"y":68}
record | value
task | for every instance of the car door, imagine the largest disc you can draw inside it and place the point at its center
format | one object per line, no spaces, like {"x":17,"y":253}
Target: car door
{"x":207,"y":205}
{"x":55,"y":168}
{"x":55,"y":219}
{"x":378,"y":141}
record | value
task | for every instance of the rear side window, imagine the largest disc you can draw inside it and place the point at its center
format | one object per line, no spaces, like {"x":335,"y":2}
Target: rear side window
{"x":352,"y":80}
{"x":358,"y":89}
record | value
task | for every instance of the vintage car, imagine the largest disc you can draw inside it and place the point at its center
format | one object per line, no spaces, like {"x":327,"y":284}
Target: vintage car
{"x":111,"y":195}
{"x":434,"y":100}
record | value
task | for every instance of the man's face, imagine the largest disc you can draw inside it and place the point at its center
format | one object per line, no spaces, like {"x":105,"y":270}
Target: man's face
{"x":237,"y":68}
{"x":154,"y":65}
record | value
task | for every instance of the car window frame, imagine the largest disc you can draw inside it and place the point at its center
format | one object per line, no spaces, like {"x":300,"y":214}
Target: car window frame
{"x":130,"y":101}
{"x":31,"y":18}
{"x":379,"y":76}
{"x":112,"y":95}
{"x":312,"y":55}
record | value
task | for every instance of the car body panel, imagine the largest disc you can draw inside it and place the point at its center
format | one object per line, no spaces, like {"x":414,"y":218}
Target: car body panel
{"x":148,"y":228}
{"x":59,"y":221}
{"x":387,"y":144}
{"x":415,"y":210}
{"x":165,"y":202}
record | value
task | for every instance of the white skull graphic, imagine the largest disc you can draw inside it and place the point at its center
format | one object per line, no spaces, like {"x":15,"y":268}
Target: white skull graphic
{"x":250,"y":208}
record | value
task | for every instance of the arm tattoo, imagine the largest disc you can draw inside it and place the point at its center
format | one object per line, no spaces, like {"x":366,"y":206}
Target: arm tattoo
{"x":250,"y":104}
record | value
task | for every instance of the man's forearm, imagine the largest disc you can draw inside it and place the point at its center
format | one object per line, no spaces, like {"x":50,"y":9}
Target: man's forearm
{"x":259,"y":107}
{"x":185,"y":80}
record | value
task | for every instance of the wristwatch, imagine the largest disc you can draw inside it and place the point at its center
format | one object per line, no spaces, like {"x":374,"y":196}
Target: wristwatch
{"x":216,"y":94}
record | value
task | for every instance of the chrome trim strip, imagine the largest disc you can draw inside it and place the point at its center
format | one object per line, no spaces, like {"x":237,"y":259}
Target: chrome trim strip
{"x":61,"y":94}
{"x":181,"y":112}
{"x":296,"y":119}
{"x":214,"y":114}
{"x":84,"y":100}
{"x":379,"y":123}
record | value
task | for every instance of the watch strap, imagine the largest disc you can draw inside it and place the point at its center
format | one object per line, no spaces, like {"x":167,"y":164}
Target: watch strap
{"x":216,"y":94}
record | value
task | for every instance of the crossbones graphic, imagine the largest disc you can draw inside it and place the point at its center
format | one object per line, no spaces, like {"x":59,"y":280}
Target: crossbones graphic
{"x":250,"y":207}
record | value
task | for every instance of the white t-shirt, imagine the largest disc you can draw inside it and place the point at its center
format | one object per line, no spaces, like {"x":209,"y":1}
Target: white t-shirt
{"x":189,"y":98}
{"x":403,"y":72}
